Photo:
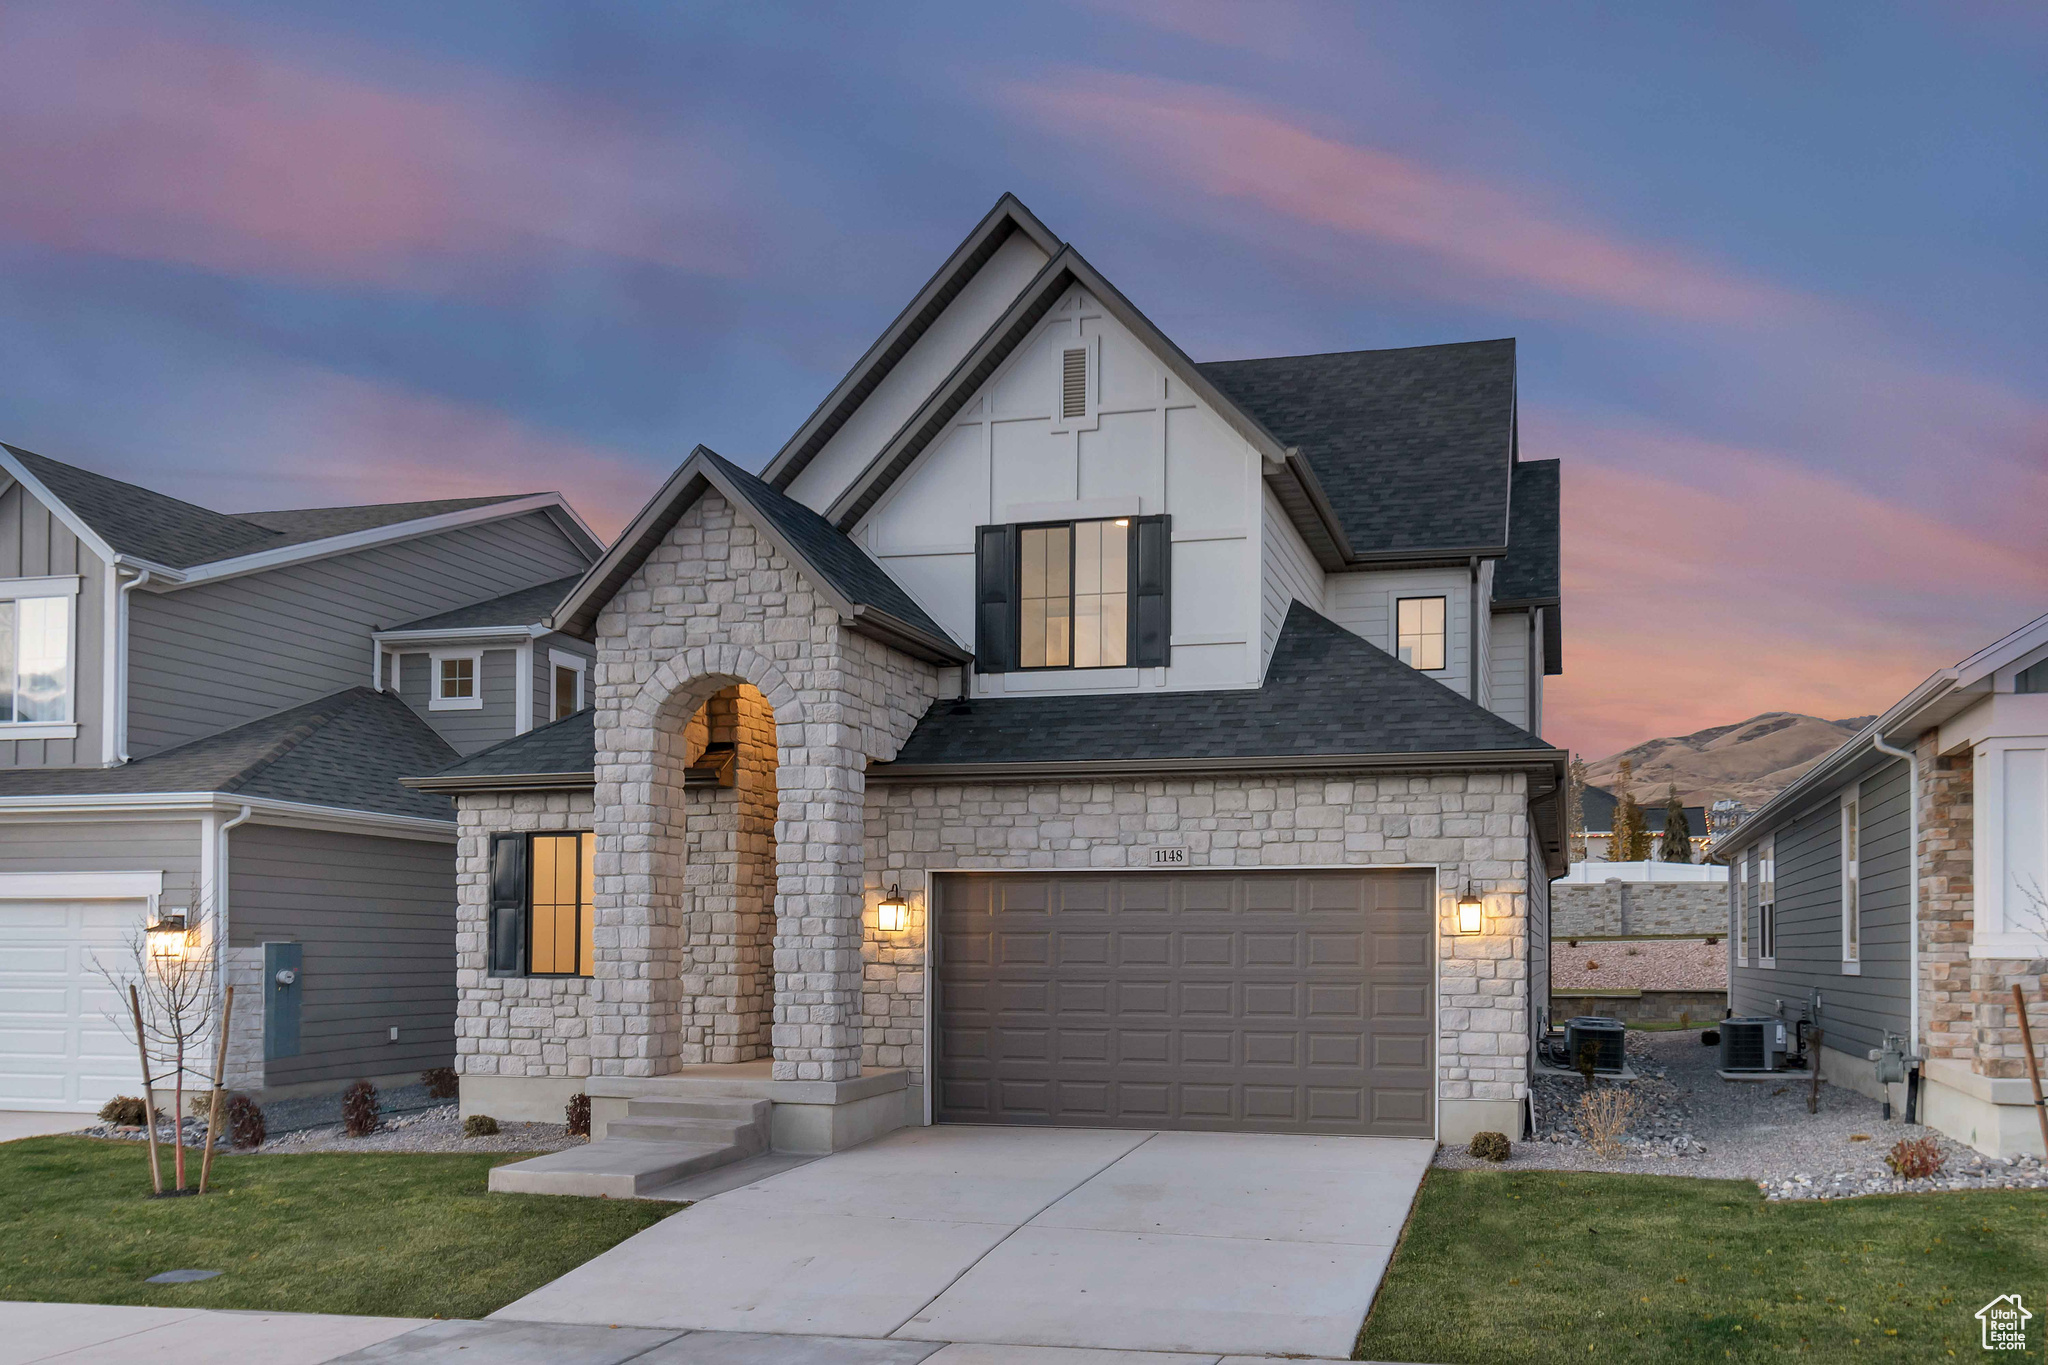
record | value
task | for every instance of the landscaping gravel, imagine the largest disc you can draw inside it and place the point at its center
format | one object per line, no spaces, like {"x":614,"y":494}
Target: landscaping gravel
{"x":1639,"y":965}
{"x":1694,"y":1123}
{"x":431,"y":1130}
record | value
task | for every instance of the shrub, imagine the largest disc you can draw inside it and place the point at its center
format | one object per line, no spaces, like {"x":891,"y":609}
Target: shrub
{"x":245,"y":1122}
{"x":577,"y":1116}
{"x":1490,"y":1146}
{"x":200,"y":1106}
{"x":359,"y":1109}
{"x":1604,"y":1115}
{"x":1915,"y":1158}
{"x":479,"y":1125}
{"x":440,"y":1082}
{"x":126,"y":1110}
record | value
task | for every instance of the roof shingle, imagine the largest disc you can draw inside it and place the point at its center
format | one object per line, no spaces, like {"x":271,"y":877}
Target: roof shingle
{"x":526,"y":607}
{"x":565,"y":748}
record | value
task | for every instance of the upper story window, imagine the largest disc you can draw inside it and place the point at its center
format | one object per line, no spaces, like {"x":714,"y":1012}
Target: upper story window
{"x":567,"y":671}
{"x":542,"y":906}
{"x":1073,"y":594}
{"x":1419,"y":632}
{"x":2034,"y":679}
{"x":456,"y":680}
{"x":1852,"y":884}
{"x":35,"y":650}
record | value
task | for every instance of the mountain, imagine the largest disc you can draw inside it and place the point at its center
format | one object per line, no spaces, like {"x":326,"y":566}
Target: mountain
{"x":1749,"y":762}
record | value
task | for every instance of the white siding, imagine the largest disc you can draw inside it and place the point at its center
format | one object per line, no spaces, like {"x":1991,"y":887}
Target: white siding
{"x":1153,"y":449}
{"x":1508,"y":666}
{"x":1363,"y":603}
{"x":1291,"y":575}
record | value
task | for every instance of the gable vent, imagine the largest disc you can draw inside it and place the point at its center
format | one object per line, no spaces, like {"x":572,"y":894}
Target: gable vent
{"x":1074,"y":382}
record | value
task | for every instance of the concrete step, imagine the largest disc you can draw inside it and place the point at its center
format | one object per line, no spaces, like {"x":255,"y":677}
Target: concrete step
{"x":620,"y":1170}
{"x":745,"y":1135}
{"x":736,"y":1108}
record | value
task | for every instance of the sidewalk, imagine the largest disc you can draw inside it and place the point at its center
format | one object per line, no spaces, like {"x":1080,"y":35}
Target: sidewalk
{"x":37,"y":1332}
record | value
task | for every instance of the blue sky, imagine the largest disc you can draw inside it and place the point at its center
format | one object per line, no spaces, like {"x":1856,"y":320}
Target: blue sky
{"x":1776,"y":270}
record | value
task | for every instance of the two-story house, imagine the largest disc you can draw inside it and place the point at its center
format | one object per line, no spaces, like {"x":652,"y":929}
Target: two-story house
{"x":1056,"y":731}
{"x":204,"y":715}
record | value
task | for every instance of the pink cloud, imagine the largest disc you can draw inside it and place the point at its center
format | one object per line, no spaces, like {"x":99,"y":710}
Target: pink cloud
{"x":1230,"y":147}
{"x":135,"y":133}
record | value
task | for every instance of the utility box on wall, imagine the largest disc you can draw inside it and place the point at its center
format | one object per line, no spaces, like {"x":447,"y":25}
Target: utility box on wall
{"x":283,"y":990}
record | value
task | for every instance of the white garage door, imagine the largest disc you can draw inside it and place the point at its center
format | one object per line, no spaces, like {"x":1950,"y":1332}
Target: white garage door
{"x":57,"y":1049}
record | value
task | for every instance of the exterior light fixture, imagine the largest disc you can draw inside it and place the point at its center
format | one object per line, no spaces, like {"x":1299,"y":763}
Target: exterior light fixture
{"x":1470,"y":908}
{"x":893,"y":914}
{"x":167,"y":937}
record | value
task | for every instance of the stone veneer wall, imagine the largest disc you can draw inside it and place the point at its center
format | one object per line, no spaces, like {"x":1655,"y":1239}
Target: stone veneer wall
{"x":1946,"y":901}
{"x":1472,"y":825}
{"x":716,"y":604}
{"x":1617,"y":909}
{"x":728,"y":937}
{"x":243,"y":969}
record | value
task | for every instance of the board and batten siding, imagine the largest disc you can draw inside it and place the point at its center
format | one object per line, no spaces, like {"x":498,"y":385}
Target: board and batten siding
{"x":375,"y":918}
{"x":1152,"y":448}
{"x":467,"y":730}
{"x":35,"y":544}
{"x":1856,"y":1010}
{"x":207,"y":658}
{"x":1290,"y":575}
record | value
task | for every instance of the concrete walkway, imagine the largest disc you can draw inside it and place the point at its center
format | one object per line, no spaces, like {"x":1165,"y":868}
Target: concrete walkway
{"x":1197,"y":1244}
{"x":79,"y":1332}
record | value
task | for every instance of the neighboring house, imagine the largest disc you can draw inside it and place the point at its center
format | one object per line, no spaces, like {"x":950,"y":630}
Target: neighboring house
{"x":197,"y":713}
{"x":1057,"y":731}
{"x":1897,"y":886}
{"x":1598,"y":804}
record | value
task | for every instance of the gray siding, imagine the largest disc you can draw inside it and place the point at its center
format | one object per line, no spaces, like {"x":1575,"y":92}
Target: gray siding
{"x":376,"y":918}
{"x":34,"y":544}
{"x":210,"y":657}
{"x":169,"y":846}
{"x":468,"y":731}
{"x":1856,"y":1011}
{"x":544,"y":674}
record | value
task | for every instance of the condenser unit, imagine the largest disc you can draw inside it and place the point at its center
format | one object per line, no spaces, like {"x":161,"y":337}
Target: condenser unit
{"x":1752,"y":1044}
{"x":1605,"y":1036}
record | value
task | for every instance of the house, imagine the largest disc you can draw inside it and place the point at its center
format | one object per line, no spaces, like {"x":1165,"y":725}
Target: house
{"x":1056,"y":731}
{"x":1597,"y":805}
{"x":209,"y":712}
{"x":1893,"y":895}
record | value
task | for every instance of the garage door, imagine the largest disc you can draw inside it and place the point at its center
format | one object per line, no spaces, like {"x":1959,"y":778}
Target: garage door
{"x":57,"y":1050}
{"x":1259,"y":1002}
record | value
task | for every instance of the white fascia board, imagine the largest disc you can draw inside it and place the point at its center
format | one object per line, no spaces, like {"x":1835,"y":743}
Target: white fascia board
{"x":460,"y":636}
{"x":2002,"y":653}
{"x":81,"y":886}
{"x":72,"y":521}
{"x":268,"y":810}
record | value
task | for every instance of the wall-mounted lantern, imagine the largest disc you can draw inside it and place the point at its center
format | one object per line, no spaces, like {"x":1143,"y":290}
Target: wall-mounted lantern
{"x":1470,"y":911}
{"x":168,"y":937}
{"x":892,"y":916}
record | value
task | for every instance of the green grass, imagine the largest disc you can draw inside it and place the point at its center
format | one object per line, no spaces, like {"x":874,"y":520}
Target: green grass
{"x":380,"y":1233}
{"x":1673,"y":1026}
{"x":1506,"y":1267}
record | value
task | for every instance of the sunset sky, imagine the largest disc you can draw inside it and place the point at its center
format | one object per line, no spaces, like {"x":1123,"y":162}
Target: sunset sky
{"x":1777,"y":271}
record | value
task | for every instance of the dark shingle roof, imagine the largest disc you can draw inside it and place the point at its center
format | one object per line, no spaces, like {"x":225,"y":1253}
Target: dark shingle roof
{"x":346,"y":750}
{"x":1412,"y":446}
{"x":1598,"y":804}
{"x":526,"y":607}
{"x":566,"y":748}
{"x":827,"y":550}
{"x":1530,"y":571}
{"x":1326,"y":692}
{"x":155,"y":526}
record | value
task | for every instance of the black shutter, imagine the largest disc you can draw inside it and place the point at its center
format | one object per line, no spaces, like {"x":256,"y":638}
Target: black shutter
{"x":507,"y":928}
{"x":995,"y":599}
{"x":1151,"y":591}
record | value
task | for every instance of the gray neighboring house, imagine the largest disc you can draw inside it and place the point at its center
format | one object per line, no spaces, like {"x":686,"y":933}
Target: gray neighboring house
{"x":1896,"y":890}
{"x":1057,"y":731}
{"x":212,"y":710}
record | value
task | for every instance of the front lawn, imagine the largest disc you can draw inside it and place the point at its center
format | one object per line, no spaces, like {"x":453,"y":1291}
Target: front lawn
{"x":1505,"y":1267}
{"x":398,"y":1235}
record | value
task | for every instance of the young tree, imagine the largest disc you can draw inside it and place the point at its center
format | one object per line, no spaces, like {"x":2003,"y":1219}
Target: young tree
{"x":1676,"y":846}
{"x":170,"y":965}
{"x":1575,"y":812}
{"x":1630,"y":841}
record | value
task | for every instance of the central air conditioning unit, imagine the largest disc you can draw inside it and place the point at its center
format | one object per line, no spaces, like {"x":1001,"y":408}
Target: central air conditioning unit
{"x":1605,"y":1036}
{"x":1752,"y":1044}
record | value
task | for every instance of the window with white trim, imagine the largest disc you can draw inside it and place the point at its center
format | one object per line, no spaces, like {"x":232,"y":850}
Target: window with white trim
{"x":1852,"y":883}
{"x":1767,"y":903}
{"x":1742,"y":883}
{"x":455,"y":680}
{"x":35,"y":650}
{"x":1419,"y":632}
{"x":565,"y":672}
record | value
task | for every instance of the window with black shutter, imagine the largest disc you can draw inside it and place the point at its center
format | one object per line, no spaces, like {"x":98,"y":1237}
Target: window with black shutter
{"x":542,"y":907}
{"x":1073,"y":594}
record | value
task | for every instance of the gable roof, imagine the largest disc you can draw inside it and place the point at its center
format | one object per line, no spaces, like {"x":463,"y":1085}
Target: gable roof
{"x":163,"y":532}
{"x":522,"y":607}
{"x":855,"y":585}
{"x":347,"y":750}
{"x":1412,"y":446}
{"x":560,"y":754}
{"x":1598,"y":805}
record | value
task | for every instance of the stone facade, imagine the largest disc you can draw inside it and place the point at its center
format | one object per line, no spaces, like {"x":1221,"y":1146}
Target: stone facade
{"x":1473,"y":825}
{"x":1945,"y":810}
{"x":1619,"y":909}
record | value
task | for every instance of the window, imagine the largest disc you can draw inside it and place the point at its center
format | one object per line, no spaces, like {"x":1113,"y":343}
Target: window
{"x":567,"y":672}
{"x":1419,"y":632}
{"x":456,"y":680}
{"x":35,"y":660}
{"x":1852,"y":890}
{"x":1742,"y":884}
{"x":2034,"y":679}
{"x":1074,"y":594}
{"x":1767,"y":903}
{"x":541,"y":913}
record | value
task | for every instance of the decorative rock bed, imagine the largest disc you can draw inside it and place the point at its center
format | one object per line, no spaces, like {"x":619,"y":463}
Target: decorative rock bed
{"x":428,"y":1130}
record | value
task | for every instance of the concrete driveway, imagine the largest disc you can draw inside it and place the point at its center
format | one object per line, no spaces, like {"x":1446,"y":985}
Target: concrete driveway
{"x":1186,"y":1242}
{"x":21,"y":1123}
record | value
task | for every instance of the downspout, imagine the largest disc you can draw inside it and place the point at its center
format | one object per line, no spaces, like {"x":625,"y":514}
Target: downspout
{"x":1912,"y":912}
{"x":119,"y":676}
{"x":220,"y":906}
{"x":1472,"y":646}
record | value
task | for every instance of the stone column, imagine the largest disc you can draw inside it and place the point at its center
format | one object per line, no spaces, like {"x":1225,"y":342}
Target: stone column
{"x":1946,"y":901}
{"x":818,"y":902}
